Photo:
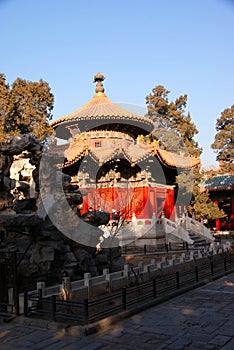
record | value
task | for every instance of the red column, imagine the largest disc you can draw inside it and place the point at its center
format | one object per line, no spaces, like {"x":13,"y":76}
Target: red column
{"x":153,"y":200}
{"x":217,"y":224}
{"x":172,"y":203}
{"x":217,"y":221}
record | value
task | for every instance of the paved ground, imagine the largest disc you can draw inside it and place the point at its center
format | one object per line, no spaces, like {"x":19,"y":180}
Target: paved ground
{"x":201,"y":319}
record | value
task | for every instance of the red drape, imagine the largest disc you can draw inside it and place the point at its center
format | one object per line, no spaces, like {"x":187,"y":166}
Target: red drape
{"x":143,"y":201}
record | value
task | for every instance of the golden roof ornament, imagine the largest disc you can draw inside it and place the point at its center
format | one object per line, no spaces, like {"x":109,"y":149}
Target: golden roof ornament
{"x":140,"y":139}
{"x":155,"y":144}
{"x":99,"y":78}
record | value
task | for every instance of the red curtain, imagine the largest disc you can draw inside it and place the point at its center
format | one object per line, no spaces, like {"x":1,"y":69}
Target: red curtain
{"x":143,"y":201}
{"x":168,"y":206}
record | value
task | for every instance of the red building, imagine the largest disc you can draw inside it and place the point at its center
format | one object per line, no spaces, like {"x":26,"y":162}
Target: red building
{"x":221,"y":190}
{"x":109,"y":155}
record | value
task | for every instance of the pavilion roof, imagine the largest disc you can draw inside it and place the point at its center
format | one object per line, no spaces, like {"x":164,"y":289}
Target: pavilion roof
{"x":117,"y":128}
{"x":102,"y":108}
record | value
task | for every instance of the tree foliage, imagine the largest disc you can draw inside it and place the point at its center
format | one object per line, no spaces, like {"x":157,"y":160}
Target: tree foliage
{"x":179,"y":130}
{"x":176,"y":132}
{"x":203,"y":207}
{"x":224,"y":140}
{"x":25,"y":108}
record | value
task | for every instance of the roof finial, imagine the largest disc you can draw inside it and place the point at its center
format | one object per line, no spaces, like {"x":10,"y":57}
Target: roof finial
{"x":98,"y":78}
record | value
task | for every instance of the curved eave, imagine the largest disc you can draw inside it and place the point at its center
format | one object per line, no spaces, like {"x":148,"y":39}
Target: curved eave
{"x":173,"y":160}
{"x":218,"y":189}
{"x":100,"y":111}
{"x":134,"y":153}
{"x":139,"y":126}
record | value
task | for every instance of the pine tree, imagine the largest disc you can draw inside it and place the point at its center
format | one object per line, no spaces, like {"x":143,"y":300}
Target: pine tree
{"x":25,"y":108}
{"x":175,"y":132}
{"x":202,"y":206}
{"x":173,"y":128}
{"x":224,"y":140}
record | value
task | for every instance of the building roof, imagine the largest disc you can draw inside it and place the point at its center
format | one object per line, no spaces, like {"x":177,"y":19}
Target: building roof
{"x":101,"y":109}
{"x":116,"y":144}
{"x":177,"y":161}
{"x":119,"y":131}
{"x":219,"y":183}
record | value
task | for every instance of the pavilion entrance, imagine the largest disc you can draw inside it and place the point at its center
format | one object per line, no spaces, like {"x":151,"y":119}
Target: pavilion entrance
{"x":124,"y":188}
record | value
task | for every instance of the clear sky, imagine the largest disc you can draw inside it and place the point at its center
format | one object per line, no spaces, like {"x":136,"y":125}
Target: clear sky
{"x":185,"y":45}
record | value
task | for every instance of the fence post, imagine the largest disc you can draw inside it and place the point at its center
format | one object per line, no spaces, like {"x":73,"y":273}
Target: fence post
{"x":53,"y":300}
{"x":225,"y":264}
{"x":86,"y":310}
{"x":39,"y":303}
{"x":15,"y":283}
{"x":178,"y":279}
{"x":124,"y":298}
{"x":212,"y":267}
{"x":26,"y":303}
{"x":145,"y":249}
{"x":196,"y":272}
{"x":154,"y":289}
{"x":41,"y":287}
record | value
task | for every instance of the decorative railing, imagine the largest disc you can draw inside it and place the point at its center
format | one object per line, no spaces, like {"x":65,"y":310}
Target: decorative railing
{"x":198,"y":228}
{"x":158,"y":287}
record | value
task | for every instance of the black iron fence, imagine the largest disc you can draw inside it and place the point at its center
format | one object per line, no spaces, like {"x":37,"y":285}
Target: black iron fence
{"x":90,"y":311}
{"x":161,"y":247}
{"x":9,"y":301}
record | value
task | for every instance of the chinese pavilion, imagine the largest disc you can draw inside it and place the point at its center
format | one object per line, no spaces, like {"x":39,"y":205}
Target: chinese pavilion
{"x":109,"y":155}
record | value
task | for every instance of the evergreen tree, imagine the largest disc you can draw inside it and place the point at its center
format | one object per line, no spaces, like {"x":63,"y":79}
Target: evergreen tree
{"x":25,"y":108}
{"x":175,"y":132}
{"x":202,"y":206}
{"x":224,"y":140}
{"x":173,"y":128}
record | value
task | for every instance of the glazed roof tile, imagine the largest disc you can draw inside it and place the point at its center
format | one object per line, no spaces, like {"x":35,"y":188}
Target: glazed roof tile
{"x":177,"y":161}
{"x":219,"y":182}
{"x":137,"y":152}
{"x":101,"y":107}
{"x":132,"y":151}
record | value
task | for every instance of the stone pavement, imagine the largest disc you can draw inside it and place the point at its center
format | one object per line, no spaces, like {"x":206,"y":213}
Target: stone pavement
{"x":200,"y":319}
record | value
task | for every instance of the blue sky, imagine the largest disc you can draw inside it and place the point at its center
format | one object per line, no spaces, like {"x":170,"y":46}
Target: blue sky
{"x":187,"y":46}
